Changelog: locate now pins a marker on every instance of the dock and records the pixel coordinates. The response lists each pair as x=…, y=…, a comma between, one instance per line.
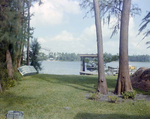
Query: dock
x=88, y=73
x=109, y=71
x=82, y=57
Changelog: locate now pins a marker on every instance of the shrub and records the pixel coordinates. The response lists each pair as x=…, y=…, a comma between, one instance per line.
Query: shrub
x=17, y=76
x=129, y=94
x=10, y=83
x=94, y=96
x=113, y=98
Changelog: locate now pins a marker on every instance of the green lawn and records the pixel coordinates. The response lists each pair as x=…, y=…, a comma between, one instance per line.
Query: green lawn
x=47, y=96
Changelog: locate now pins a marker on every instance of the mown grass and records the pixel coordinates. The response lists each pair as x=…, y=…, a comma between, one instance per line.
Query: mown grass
x=44, y=96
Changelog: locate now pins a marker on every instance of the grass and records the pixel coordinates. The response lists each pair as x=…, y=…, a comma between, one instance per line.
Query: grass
x=43, y=96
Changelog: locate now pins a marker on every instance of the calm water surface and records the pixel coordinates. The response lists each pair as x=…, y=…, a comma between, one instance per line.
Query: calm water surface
x=60, y=68
x=73, y=68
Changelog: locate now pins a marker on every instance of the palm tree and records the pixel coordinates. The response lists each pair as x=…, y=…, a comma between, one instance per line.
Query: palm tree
x=102, y=84
x=123, y=81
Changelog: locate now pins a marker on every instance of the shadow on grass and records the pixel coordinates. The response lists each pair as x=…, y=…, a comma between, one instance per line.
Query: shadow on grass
x=108, y=116
x=111, y=82
x=83, y=89
x=87, y=82
x=12, y=99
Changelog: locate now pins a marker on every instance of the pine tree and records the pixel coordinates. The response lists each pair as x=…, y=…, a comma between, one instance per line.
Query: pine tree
x=34, y=54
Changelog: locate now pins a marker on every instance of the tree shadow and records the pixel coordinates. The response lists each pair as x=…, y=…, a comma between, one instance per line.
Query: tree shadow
x=109, y=116
x=11, y=99
x=85, y=83
x=111, y=83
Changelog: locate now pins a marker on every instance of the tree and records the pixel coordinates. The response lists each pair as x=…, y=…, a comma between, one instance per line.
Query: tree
x=13, y=36
x=123, y=81
x=28, y=40
x=34, y=54
x=114, y=8
x=29, y=4
x=102, y=84
x=111, y=9
x=109, y=58
x=8, y=34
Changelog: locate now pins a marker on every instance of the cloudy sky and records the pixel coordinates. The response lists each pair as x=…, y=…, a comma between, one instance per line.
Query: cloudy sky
x=61, y=27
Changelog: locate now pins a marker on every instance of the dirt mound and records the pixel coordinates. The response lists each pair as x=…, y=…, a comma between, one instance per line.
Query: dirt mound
x=141, y=79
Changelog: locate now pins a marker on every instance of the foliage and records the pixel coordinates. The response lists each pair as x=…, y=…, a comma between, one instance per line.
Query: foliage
x=110, y=9
x=139, y=58
x=34, y=53
x=129, y=94
x=94, y=96
x=66, y=56
x=144, y=24
x=17, y=76
x=109, y=57
x=113, y=98
x=10, y=83
x=42, y=56
x=13, y=36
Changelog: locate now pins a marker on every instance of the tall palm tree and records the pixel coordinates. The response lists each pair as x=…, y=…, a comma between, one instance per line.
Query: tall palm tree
x=102, y=84
x=123, y=81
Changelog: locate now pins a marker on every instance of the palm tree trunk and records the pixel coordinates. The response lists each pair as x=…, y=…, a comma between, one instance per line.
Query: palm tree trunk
x=123, y=81
x=102, y=84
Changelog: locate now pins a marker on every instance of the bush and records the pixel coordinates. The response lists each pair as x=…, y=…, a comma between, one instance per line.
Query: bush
x=10, y=83
x=129, y=94
x=113, y=98
x=17, y=76
x=94, y=96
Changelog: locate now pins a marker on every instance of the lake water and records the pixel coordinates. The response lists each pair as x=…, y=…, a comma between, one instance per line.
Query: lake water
x=60, y=68
x=73, y=68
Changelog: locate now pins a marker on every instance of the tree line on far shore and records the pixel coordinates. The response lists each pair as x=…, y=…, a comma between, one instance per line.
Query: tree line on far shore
x=75, y=57
x=139, y=58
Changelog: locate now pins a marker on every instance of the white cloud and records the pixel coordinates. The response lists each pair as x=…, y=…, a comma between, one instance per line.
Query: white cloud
x=55, y=12
x=63, y=36
x=42, y=40
x=67, y=6
x=52, y=12
x=89, y=33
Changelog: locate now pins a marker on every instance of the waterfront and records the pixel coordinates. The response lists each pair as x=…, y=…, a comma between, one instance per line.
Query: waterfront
x=73, y=68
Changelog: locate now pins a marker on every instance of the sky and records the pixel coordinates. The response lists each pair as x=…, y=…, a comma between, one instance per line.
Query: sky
x=60, y=26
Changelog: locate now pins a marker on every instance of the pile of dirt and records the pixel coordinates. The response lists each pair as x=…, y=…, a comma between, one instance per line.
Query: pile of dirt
x=141, y=79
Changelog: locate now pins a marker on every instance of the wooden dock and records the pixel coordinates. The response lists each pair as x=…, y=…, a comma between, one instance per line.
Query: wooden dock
x=88, y=73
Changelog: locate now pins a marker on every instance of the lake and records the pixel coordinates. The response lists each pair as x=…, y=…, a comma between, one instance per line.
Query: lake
x=73, y=68
x=60, y=68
